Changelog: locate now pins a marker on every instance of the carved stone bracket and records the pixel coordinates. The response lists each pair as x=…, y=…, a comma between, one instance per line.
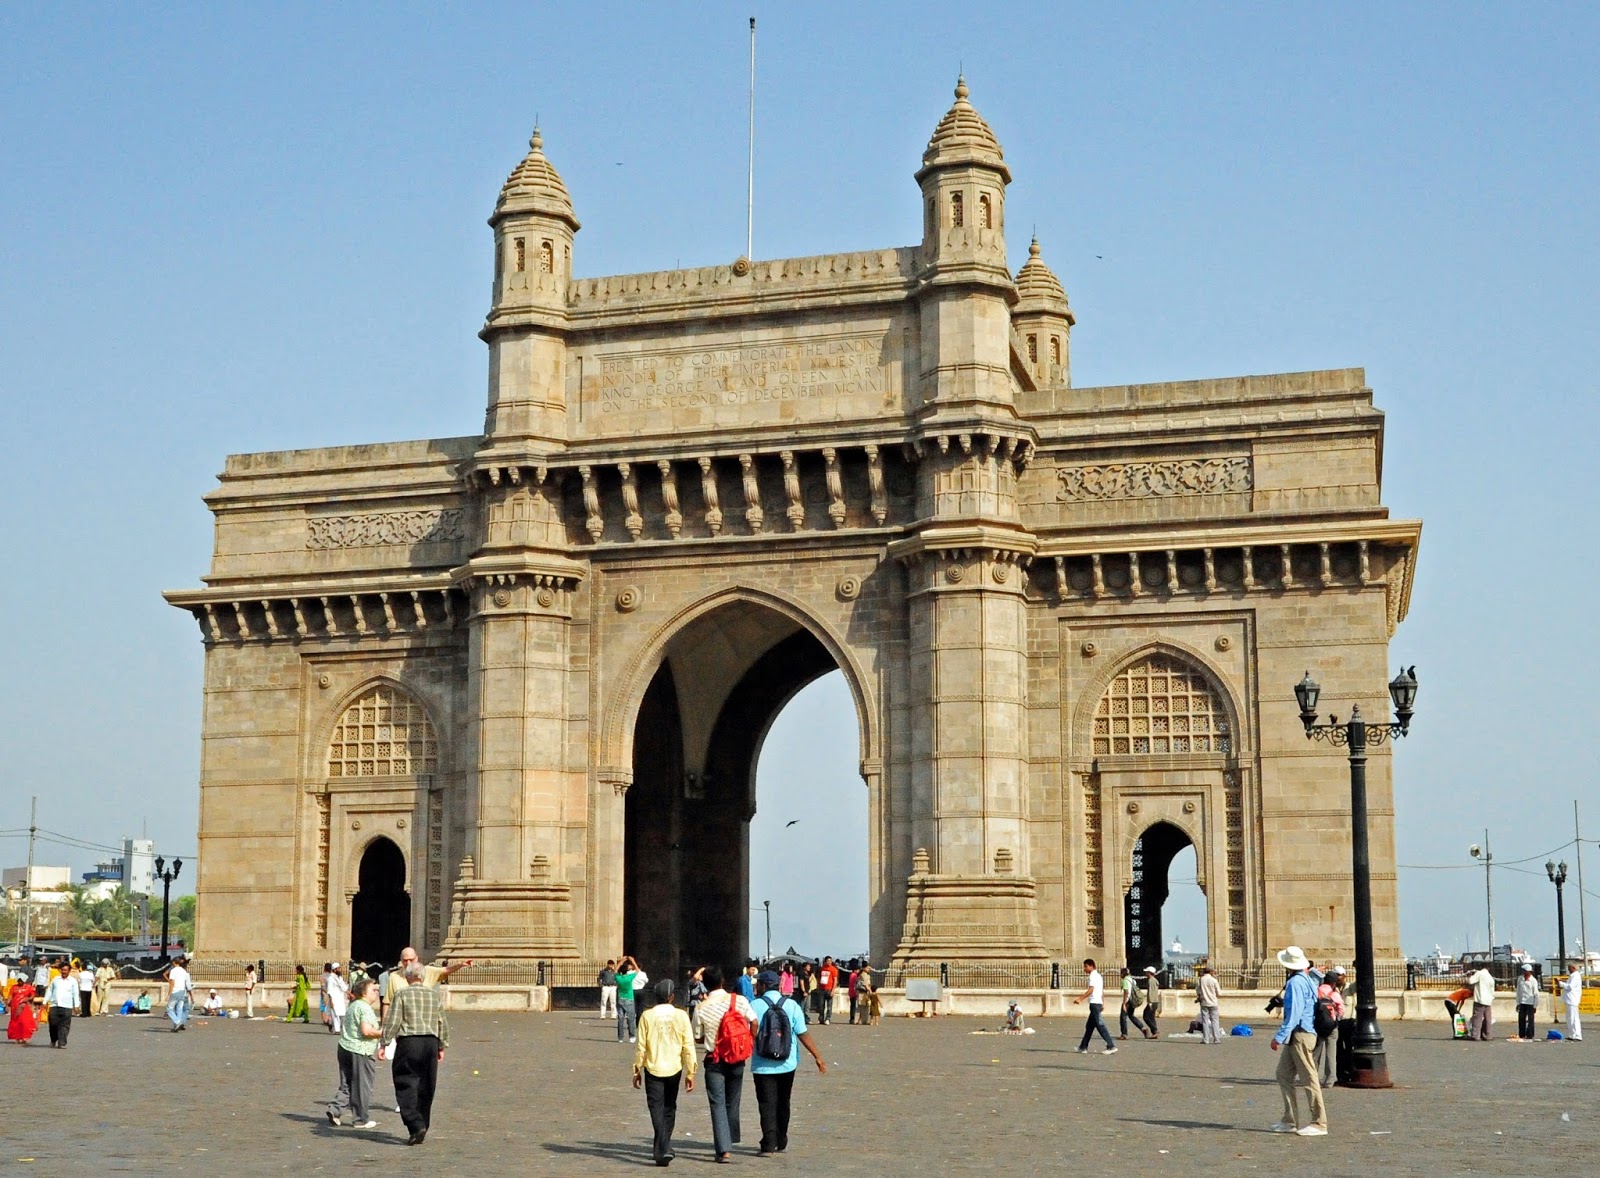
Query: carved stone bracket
x=379, y=613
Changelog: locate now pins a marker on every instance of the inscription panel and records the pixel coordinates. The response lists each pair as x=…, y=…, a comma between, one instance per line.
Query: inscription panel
x=732, y=382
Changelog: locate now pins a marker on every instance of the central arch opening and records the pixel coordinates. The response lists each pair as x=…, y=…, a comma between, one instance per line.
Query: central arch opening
x=700, y=729
x=380, y=914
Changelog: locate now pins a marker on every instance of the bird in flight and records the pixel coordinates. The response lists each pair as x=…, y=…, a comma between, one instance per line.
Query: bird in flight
x=790, y=823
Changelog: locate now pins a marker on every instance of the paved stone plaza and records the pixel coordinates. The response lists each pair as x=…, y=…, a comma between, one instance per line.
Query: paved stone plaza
x=550, y=1095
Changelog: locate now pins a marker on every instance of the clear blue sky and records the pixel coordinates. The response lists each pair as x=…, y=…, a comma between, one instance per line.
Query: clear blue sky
x=227, y=229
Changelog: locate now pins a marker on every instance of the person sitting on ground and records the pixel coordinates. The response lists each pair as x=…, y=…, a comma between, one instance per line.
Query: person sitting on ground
x=141, y=1004
x=1014, y=1024
x=213, y=1006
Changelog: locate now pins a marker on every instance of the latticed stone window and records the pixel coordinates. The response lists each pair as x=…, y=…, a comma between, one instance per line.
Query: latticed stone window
x=547, y=258
x=1055, y=349
x=384, y=733
x=522, y=255
x=985, y=211
x=958, y=216
x=1033, y=348
x=1161, y=705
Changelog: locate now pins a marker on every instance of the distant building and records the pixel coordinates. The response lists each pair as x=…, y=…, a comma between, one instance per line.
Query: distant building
x=44, y=885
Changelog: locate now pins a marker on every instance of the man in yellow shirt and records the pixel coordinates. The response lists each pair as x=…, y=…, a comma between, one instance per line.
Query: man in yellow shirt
x=432, y=975
x=664, y=1055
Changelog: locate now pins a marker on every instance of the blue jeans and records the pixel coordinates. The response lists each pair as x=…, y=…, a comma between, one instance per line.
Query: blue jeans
x=1095, y=1023
x=627, y=1019
x=178, y=1008
x=1130, y=1015
x=724, y=1084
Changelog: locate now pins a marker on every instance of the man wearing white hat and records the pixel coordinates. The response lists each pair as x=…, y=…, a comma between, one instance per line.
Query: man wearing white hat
x=1527, y=1002
x=1298, y=1040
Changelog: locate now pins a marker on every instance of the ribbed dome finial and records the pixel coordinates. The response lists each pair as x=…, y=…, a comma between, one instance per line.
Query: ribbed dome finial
x=1038, y=289
x=535, y=186
x=962, y=137
x=1033, y=247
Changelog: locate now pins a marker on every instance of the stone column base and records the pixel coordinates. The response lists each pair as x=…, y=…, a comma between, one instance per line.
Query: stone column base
x=514, y=921
x=969, y=919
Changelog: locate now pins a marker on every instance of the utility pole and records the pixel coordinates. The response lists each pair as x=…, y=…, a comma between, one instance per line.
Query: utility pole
x=1488, y=884
x=767, y=904
x=27, y=882
x=1583, y=923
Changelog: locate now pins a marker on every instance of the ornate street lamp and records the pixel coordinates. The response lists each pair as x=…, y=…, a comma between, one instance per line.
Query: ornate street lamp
x=1558, y=876
x=1369, y=1063
x=166, y=877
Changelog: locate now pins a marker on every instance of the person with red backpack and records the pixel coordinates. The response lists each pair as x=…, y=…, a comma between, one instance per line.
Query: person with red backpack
x=725, y=1025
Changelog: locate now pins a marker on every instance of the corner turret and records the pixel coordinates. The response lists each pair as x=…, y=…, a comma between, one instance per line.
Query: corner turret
x=1044, y=321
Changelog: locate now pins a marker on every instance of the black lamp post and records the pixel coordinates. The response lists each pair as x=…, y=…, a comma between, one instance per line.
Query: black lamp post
x=1369, y=1063
x=166, y=878
x=1558, y=876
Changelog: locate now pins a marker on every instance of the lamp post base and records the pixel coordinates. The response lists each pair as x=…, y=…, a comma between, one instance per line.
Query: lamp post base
x=1368, y=1069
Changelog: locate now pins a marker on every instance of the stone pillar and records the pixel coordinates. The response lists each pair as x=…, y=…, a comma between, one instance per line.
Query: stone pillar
x=517, y=904
x=970, y=896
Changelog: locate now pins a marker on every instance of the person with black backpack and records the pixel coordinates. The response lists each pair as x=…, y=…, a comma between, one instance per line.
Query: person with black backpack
x=725, y=1025
x=780, y=1033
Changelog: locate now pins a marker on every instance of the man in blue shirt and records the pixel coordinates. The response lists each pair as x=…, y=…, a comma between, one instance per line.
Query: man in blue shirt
x=1298, y=1040
x=775, y=1077
x=745, y=982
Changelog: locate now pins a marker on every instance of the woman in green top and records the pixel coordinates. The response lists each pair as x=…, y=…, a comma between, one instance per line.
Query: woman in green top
x=627, y=1013
x=358, y=1069
x=298, y=1005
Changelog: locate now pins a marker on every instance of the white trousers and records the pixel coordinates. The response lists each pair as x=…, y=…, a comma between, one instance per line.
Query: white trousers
x=608, y=1002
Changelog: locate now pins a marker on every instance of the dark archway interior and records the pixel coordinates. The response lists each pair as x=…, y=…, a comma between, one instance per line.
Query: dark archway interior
x=1152, y=865
x=686, y=874
x=380, y=915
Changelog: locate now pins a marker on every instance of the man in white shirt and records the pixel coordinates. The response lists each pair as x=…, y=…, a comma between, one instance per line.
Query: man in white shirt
x=61, y=998
x=1096, y=994
x=85, y=978
x=180, y=997
x=338, y=998
x=1209, y=993
x=1482, y=1025
x=1572, y=996
x=724, y=1079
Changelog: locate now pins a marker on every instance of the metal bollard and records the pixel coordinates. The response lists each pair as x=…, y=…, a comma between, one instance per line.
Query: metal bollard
x=944, y=973
x=261, y=969
x=1055, y=975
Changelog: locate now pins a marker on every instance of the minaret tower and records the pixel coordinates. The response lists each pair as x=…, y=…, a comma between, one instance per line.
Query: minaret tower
x=533, y=226
x=1043, y=321
x=967, y=288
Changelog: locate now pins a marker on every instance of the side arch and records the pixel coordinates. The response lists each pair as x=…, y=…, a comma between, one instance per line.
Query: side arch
x=617, y=733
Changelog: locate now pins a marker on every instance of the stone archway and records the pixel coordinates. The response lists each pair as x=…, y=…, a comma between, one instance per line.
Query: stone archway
x=697, y=737
x=1149, y=870
x=380, y=913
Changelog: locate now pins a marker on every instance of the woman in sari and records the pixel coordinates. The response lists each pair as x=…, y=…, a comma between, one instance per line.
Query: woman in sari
x=23, y=1023
x=298, y=1004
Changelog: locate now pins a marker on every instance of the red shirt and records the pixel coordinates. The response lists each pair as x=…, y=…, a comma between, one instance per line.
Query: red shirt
x=828, y=977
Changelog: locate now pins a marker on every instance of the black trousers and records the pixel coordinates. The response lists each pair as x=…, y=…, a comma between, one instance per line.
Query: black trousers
x=773, y=1090
x=1525, y=1020
x=661, y=1097
x=416, y=1073
x=1150, y=1020
x=83, y=997
x=60, y=1024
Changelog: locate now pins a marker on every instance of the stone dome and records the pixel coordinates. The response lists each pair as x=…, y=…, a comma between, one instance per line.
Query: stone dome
x=962, y=137
x=1038, y=288
x=534, y=186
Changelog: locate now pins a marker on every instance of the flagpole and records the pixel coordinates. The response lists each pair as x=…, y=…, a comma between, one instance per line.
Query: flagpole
x=750, y=175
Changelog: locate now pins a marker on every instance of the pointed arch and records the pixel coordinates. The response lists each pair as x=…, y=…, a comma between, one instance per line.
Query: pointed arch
x=617, y=733
x=1195, y=663
x=382, y=730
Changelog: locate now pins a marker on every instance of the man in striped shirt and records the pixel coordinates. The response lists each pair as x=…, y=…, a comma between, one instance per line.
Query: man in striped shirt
x=415, y=1025
x=724, y=1079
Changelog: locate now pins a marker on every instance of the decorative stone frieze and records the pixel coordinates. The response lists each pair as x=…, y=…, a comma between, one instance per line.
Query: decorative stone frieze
x=376, y=528
x=1145, y=480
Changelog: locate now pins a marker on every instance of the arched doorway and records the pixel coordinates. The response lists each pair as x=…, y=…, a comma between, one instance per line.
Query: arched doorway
x=1150, y=884
x=380, y=914
x=701, y=724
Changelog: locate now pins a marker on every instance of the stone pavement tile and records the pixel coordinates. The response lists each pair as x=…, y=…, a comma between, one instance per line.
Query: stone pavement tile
x=550, y=1094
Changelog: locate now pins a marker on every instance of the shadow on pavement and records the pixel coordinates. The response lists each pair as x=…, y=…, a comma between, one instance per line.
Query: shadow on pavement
x=1172, y=1124
x=611, y=1150
x=321, y=1128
